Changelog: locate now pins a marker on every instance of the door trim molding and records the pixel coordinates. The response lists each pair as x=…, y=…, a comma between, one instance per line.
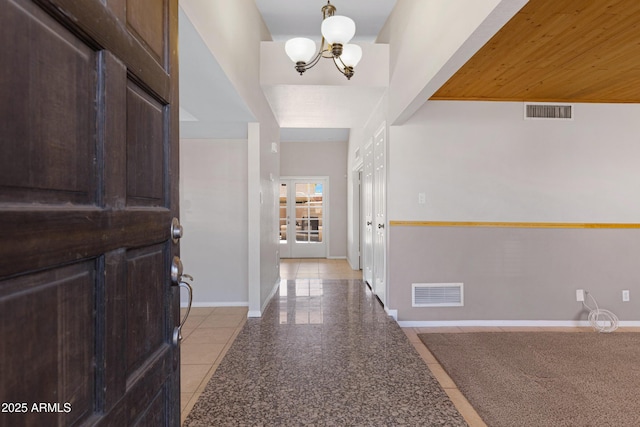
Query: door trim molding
x=326, y=219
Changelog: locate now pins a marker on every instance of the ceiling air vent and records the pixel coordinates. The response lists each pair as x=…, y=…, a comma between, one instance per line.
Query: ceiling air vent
x=437, y=295
x=548, y=111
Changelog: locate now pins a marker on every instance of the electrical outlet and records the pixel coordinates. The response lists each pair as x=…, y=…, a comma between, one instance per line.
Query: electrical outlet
x=580, y=295
x=625, y=295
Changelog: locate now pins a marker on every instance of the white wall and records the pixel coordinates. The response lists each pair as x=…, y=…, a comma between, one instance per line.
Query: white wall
x=213, y=212
x=325, y=158
x=430, y=40
x=481, y=161
x=268, y=215
x=230, y=28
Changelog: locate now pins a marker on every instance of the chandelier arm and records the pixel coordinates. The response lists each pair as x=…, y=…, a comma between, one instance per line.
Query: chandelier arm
x=337, y=66
x=346, y=71
x=330, y=51
x=314, y=61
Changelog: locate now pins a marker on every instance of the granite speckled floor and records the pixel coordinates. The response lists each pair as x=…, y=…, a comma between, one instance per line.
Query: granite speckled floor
x=325, y=354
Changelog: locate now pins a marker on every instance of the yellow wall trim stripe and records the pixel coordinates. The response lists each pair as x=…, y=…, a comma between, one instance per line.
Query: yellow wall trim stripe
x=511, y=224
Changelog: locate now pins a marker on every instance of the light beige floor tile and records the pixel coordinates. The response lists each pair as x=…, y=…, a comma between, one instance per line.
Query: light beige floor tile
x=185, y=332
x=200, y=354
x=424, y=352
x=188, y=407
x=204, y=335
x=308, y=264
x=629, y=329
x=307, y=276
x=412, y=335
x=193, y=321
x=191, y=376
x=222, y=321
x=242, y=311
x=442, y=377
x=464, y=407
x=184, y=400
x=198, y=311
x=210, y=373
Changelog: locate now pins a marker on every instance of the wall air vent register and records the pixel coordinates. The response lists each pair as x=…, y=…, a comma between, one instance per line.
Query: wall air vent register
x=548, y=111
x=437, y=294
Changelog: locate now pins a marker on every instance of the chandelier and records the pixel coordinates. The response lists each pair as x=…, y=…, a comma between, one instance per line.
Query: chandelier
x=336, y=31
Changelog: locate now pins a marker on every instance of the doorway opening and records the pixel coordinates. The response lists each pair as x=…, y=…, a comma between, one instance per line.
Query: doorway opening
x=304, y=214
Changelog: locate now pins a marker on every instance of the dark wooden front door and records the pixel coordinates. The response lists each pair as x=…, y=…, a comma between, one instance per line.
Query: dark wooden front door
x=88, y=188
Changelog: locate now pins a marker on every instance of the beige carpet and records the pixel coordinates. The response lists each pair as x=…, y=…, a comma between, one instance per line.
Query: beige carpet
x=545, y=378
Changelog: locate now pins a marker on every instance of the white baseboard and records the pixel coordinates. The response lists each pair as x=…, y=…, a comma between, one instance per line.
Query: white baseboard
x=505, y=323
x=336, y=257
x=392, y=313
x=351, y=264
x=255, y=313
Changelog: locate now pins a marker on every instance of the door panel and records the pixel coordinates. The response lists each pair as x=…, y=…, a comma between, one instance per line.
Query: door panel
x=146, y=21
x=145, y=148
x=285, y=219
x=54, y=309
x=306, y=220
x=380, y=232
x=88, y=187
x=367, y=209
x=51, y=152
x=144, y=301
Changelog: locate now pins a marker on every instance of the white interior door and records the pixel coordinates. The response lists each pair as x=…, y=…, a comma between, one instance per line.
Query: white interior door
x=367, y=212
x=304, y=212
x=380, y=211
x=285, y=248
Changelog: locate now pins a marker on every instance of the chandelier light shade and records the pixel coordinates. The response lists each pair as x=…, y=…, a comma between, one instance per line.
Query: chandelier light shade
x=351, y=55
x=336, y=31
x=300, y=49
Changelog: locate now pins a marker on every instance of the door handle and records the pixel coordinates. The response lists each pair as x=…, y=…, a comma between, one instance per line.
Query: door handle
x=176, y=230
x=380, y=226
x=368, y=222
x=178, y=279
x=177, y=331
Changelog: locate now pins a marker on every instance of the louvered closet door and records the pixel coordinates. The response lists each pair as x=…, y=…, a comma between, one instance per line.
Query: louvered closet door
x=88, y=188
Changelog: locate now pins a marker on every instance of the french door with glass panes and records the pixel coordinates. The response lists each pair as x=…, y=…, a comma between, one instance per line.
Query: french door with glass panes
x=304, y=223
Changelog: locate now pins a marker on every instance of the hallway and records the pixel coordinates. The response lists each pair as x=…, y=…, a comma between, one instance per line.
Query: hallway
x=324, y=353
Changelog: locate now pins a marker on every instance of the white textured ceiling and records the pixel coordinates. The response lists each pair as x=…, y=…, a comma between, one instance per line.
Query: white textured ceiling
x=302, y=18
x=211, y=107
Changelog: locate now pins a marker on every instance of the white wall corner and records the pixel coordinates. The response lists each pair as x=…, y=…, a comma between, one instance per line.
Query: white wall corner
x=458, y=42
x=267, y=300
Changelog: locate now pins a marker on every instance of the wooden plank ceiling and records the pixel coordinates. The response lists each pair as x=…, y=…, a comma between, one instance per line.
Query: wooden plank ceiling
x=557, y=51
